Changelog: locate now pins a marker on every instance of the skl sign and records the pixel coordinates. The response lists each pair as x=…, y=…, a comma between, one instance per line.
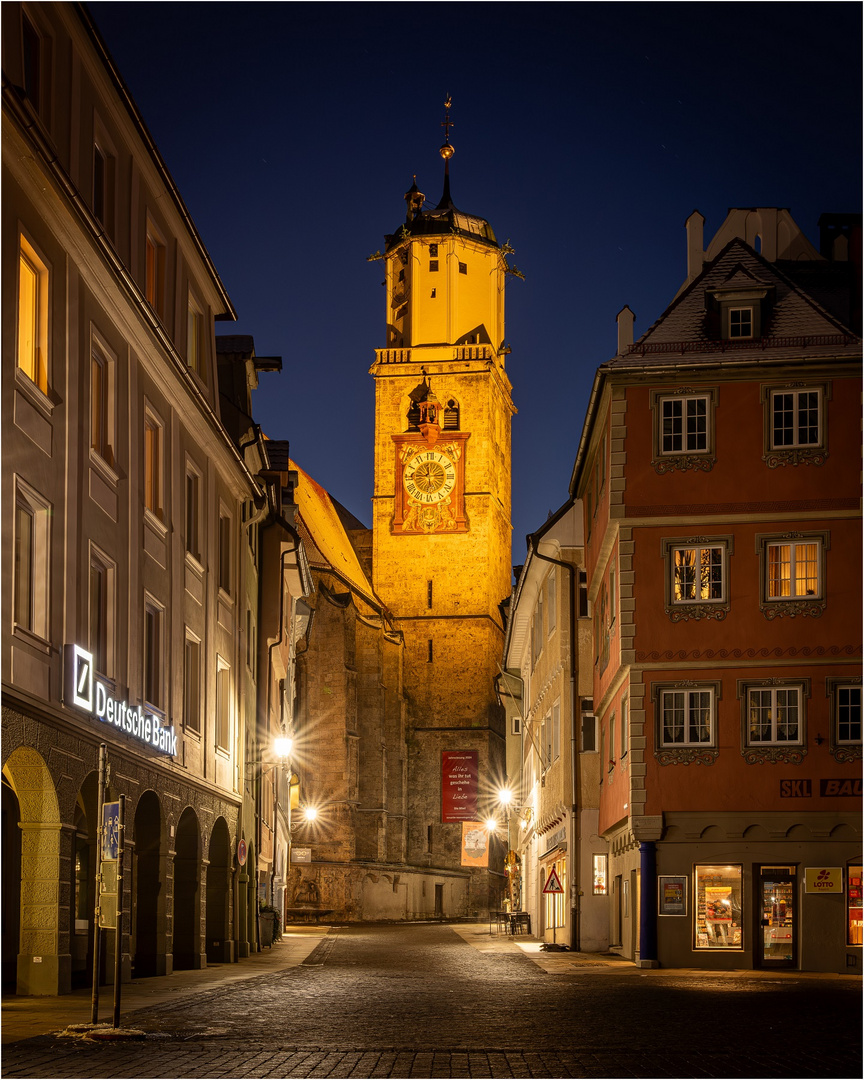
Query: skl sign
x=83, y=690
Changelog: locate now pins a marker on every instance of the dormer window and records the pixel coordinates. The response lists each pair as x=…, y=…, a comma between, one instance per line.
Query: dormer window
x=740, y=323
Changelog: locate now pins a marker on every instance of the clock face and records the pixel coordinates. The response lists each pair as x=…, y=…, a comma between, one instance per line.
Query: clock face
x=429, y=476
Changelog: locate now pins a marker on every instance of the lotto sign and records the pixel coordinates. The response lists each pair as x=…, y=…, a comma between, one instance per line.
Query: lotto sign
x=553, y=883
x=823, y=879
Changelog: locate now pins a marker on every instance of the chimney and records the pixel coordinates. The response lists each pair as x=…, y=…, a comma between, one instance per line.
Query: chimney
x=625, y=319
x=695, y=251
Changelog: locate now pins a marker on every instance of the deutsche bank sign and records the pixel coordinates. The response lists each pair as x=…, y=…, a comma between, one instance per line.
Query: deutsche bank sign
x=86, y=692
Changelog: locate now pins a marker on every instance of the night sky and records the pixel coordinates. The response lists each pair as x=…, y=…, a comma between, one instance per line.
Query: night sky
x=585, y=134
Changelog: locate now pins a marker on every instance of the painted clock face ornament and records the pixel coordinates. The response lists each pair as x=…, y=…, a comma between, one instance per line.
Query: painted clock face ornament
x=429, y=476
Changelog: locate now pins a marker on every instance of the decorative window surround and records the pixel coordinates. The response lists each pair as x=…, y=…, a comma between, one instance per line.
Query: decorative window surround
x=844, y=694
x=695, y=448
x=770, y=547
x=681, y=609
x=689, y=695
x=778, y=750
x=809, y=447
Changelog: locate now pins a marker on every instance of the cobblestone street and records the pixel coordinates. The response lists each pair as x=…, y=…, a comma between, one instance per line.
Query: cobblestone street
x=430, y=1000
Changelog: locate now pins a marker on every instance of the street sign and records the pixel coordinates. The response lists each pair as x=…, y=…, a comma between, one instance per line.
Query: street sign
x=553, y=883
x=110, y=831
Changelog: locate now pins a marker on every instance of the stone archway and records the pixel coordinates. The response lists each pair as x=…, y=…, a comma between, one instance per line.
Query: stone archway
x=43, y=959
x=149, y=875
x=220, y=946
x=11, y=906
x=187, y=892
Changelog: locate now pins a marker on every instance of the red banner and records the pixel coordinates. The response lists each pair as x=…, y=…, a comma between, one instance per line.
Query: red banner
x=459, y=785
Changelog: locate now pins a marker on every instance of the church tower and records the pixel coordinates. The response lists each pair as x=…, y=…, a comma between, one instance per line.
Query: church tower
x=441, y=514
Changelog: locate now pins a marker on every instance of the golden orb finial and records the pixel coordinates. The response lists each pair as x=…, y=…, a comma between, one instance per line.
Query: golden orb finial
x=447, y=150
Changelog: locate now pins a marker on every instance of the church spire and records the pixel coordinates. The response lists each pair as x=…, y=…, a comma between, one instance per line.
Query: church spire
x=446, y=152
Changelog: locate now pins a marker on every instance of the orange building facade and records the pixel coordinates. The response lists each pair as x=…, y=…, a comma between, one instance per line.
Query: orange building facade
x=719, y=470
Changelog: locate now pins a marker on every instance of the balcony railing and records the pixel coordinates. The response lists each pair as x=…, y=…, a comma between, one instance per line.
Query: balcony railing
x=460, y=352
x=791, y=342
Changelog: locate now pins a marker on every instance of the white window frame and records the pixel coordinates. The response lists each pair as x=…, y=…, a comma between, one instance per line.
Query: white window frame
x=683, y=449
x=776, y=699
x=688, y=698
x=692, y=436
x=778, y=747
x=737, y=325
x=842, y=693
x=800, y=599
x=796, y=394
x=35, y=619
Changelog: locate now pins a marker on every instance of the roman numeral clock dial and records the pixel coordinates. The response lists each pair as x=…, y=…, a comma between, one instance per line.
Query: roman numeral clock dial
x=430, y=488
x=429, y=477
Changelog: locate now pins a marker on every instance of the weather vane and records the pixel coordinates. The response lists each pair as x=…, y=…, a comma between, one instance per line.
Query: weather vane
x=447, y=150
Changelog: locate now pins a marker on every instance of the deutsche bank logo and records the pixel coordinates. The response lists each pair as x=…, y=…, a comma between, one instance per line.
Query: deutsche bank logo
x=81, y=674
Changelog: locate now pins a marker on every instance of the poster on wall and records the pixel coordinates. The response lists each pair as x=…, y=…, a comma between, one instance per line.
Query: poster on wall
x=475, y=844
x=673, y=894
x=459, y=771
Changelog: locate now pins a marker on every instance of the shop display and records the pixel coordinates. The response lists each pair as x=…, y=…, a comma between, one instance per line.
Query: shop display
x=718, y=907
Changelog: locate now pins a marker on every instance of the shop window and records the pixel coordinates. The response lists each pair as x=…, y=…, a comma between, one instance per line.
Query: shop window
x=683, y=430
x=600, y=875
x=853, y=908
x=792, y=570
x=686, y=722
x=697, y=574
x=192, y=684
x=773, y=720
x=33, y=282
x=718, y=908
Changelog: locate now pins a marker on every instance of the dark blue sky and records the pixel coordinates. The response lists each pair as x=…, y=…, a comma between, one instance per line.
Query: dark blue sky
x=585, y=133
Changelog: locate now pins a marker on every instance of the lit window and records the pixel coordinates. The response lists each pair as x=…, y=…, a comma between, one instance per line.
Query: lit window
x=102, y=402
x=153, y=646
x=192, y=685
x=153, y=465
x=31, y=561
x=718, y=907
x=741, y=322
x=33, y=282
x=793, y=570
x=195, y=351
x=796, y=418
x=697, y=584
x=686, y=717
x=154, y=270
x=223, y=705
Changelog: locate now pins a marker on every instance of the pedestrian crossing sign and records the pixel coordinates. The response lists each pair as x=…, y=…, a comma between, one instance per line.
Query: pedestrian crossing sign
x=553, y=883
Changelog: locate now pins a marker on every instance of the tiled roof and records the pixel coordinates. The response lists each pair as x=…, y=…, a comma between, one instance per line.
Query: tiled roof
x=796, y=319
x=321, y=526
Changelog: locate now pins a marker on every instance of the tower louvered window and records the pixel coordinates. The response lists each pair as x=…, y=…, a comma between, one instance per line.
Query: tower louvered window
x=451, y=415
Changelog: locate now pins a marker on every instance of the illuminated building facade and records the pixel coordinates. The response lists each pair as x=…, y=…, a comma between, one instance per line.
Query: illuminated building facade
x=719, y=474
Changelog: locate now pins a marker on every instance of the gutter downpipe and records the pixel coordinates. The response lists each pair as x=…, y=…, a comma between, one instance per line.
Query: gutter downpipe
x=575, y=908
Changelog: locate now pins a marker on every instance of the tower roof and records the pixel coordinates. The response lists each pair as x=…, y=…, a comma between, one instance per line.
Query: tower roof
x=445, y=218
